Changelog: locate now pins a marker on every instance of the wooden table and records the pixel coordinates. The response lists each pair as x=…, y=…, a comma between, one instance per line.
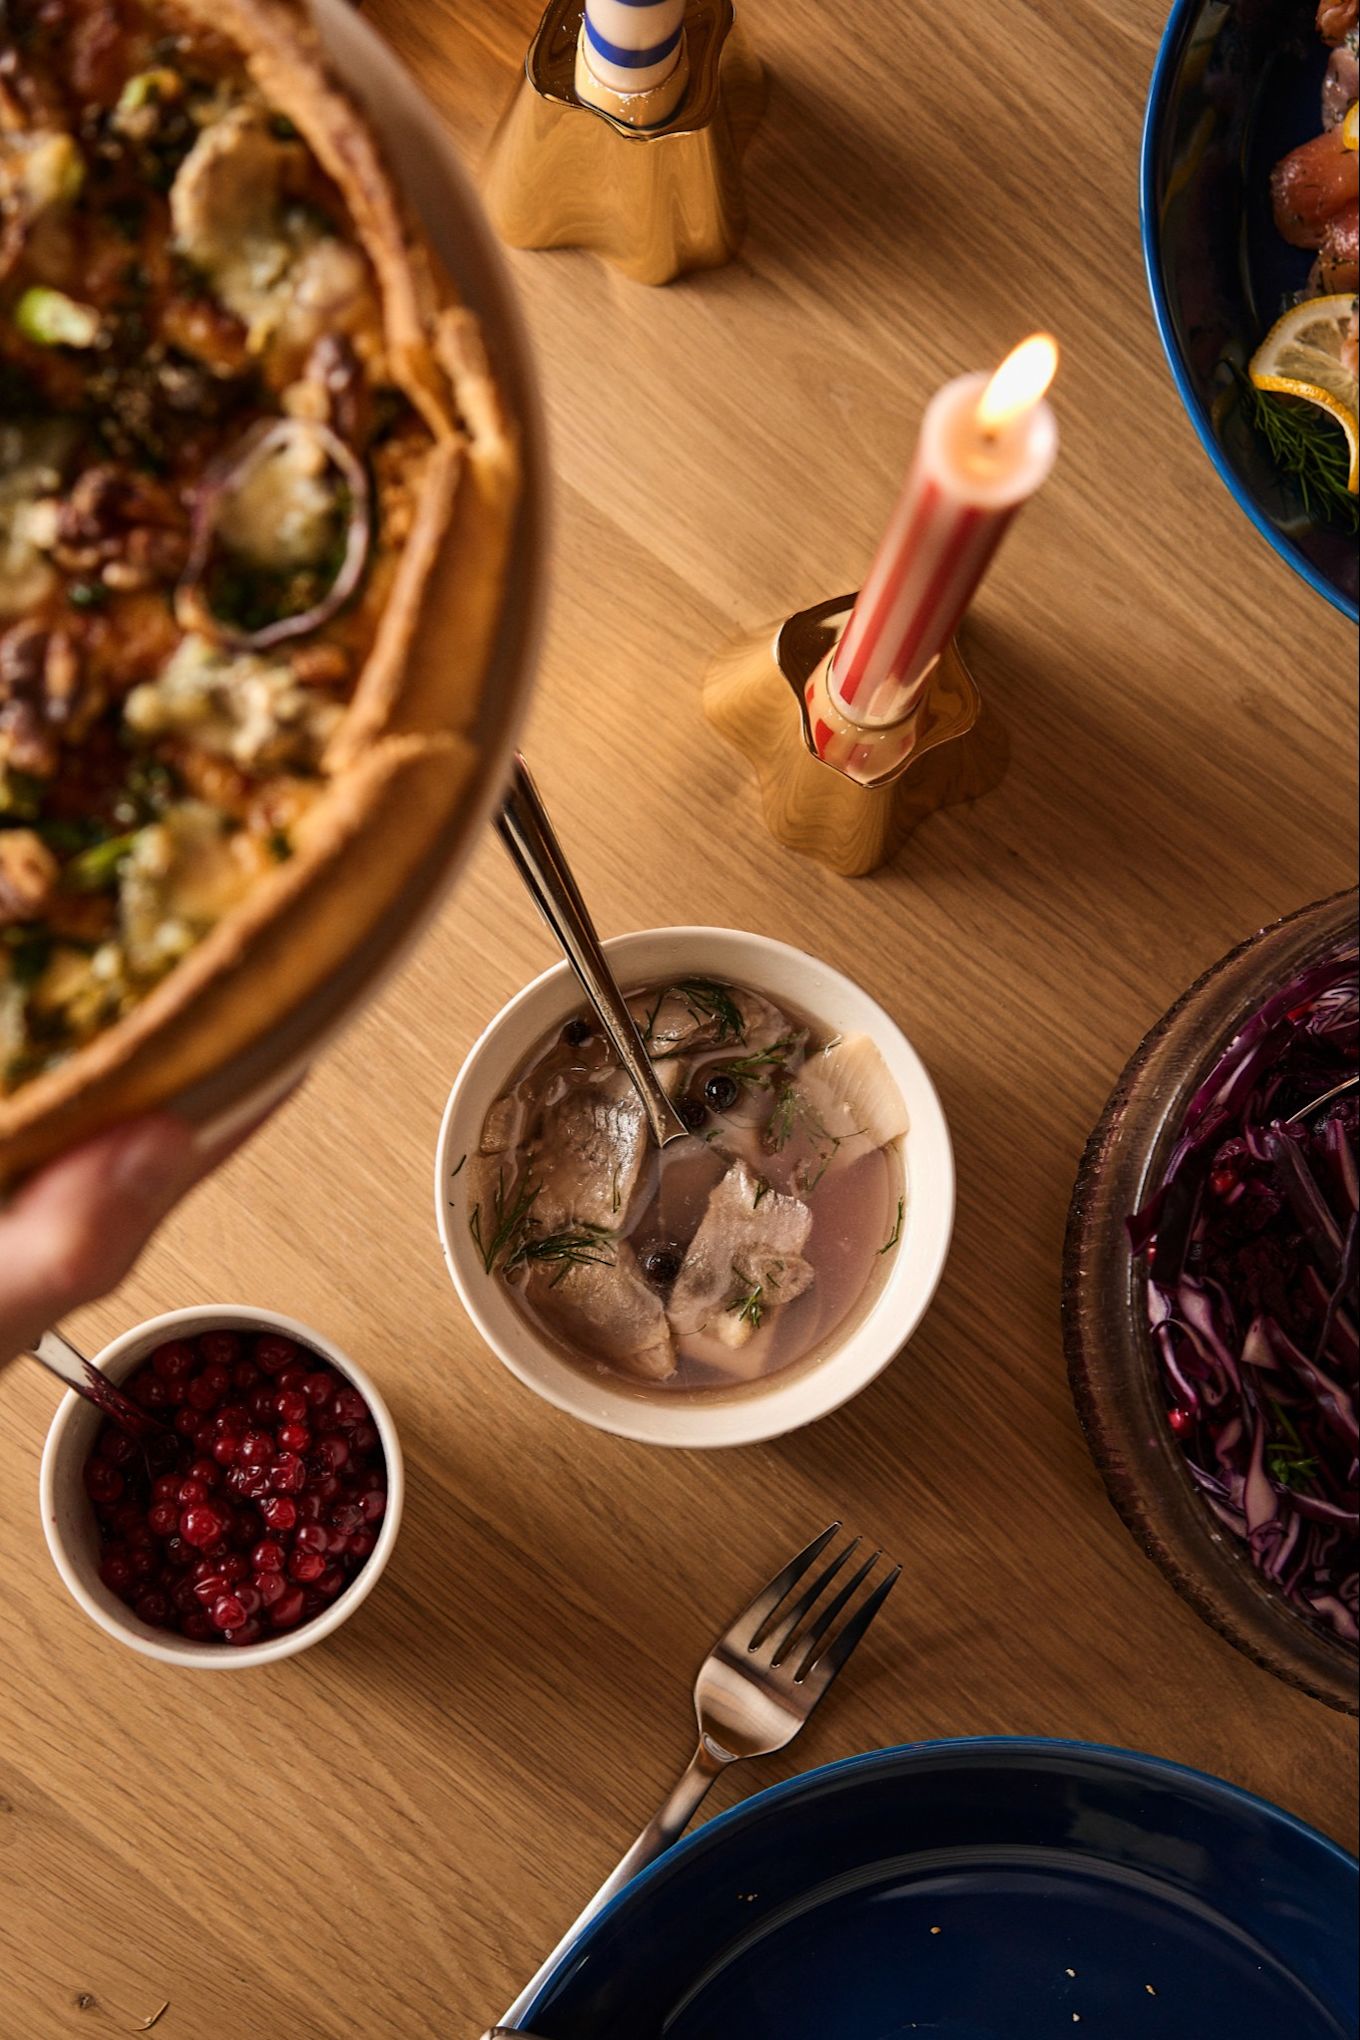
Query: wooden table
x=384, y=1836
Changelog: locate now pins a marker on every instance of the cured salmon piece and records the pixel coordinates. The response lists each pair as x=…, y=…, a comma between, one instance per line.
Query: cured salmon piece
x=1312, y=183
x=1338, y=263
x=1336, y=19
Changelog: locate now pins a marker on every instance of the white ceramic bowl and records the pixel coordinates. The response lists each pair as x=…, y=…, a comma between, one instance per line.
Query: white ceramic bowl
x=68, y=1519
x=784, y=1401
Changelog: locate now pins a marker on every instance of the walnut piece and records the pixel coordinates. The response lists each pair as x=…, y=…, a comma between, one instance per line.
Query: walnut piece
x=28, y=876
x=44, y=699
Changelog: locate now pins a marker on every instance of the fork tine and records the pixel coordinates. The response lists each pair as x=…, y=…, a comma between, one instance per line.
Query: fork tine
x=810, y=1640
x=752, y=1619
x=785, y=1627
x=825, y=1668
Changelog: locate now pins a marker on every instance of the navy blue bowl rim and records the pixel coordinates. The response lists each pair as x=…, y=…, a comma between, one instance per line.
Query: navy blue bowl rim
x=902, y=1756
x=1180, y=22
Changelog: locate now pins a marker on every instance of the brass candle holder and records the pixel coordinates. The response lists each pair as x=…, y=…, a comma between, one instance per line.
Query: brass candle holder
x=655, y=200
x=847, y=795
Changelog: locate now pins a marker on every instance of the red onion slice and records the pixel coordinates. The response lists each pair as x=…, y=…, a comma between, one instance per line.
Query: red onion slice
x=192, y=611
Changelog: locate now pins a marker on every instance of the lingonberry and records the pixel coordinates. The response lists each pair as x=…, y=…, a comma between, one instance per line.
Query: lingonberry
x=254, y=1508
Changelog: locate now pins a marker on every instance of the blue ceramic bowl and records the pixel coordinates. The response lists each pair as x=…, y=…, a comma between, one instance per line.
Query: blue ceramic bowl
x=1236, y=84
x=977, y=1890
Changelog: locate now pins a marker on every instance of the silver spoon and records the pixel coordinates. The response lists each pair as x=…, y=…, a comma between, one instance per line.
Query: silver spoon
x=529, y=837
x=68, y=1363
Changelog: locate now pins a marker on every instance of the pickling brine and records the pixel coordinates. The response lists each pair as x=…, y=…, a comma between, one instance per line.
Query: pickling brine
x=737, y=1253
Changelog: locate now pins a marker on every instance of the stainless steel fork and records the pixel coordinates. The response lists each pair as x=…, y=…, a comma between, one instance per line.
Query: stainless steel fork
x=755, y=1689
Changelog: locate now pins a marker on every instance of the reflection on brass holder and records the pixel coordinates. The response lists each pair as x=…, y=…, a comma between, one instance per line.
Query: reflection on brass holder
x=654, y=200
x=856, y=814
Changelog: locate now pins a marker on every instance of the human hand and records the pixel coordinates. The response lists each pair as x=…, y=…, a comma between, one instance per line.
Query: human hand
x=76, y=1229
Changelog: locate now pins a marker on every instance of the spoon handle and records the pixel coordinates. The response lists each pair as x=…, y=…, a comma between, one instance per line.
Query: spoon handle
x=70, y=1366
x=529, y=836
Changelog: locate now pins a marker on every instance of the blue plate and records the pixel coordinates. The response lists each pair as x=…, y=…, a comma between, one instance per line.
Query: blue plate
x=1236, y=84
x=978, y=1890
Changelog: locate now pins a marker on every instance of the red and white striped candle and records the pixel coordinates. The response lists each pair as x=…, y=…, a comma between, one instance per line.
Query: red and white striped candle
x=986, y=445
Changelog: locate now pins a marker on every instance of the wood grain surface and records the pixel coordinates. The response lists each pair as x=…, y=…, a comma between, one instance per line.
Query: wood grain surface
x=385, y=1835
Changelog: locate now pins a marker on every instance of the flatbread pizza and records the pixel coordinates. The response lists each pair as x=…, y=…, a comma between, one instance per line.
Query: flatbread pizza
x=256, y=492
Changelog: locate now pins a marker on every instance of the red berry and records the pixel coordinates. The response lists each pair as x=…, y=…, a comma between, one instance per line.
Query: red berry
x=192, y=1490
x=236, y=1566
x=211, y=1586
x=262, y=1405
x=361, y=1544
x=205, y=1469
x=103, y=1483
x=364, y=1437
x=254, y=1448
x=250, y=1598
x=1181, y=1421
x=164, y=1518
x=201, y=1526
x=350, y=1407
x=197, y=1627
x=311, y=1537
x=271, y=1587
x=279, y=1512
x=227, y=1612
x=220, y=1349
x=331, y=1451
x=116, y=1571
x=331, y=1582
x=147, y=1389
x=287, y=1611
x=116, y=1445
x=306, y=1566
x=207, y=1389
x=174, y=1361
x=294, y=1437
x=244, y=1375
x=374, y=1504
x=188, y=1421
x=249, y=1632
x=268, y=1556
x=224, y=1447
x=273, y=1354
x=292, y=1406
x=288, y=1473
x=153, y=1606
x=319, y=1388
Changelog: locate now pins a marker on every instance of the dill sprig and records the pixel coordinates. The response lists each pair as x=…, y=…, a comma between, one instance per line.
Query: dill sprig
x=895, y=1235
x=1309, y=446
x=792, y=1110
x=760, y=1068
x=1287, y=1462
x=575, y=1246
x=508, y=1220
x=708, y=1000
x=748, y=1305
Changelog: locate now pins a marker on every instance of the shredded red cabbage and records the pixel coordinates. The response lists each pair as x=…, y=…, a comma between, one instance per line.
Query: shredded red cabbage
x=1251, y=1248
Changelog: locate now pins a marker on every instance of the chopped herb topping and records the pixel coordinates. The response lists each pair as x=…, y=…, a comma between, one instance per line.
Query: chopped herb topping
x=895, y=1235
x=707, y=1000
x=575, y=1246
x=97, y=869
x=506, y=1222
x=1307, y=445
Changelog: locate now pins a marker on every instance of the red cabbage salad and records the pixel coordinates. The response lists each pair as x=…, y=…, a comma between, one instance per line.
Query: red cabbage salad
x=1250, y=1244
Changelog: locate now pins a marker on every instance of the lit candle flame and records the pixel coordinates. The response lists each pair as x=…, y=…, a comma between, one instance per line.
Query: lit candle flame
x=1019, y=384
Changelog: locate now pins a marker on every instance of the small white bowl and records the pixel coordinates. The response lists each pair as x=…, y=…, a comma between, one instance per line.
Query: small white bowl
x=782, y=1402
x=68, y=1519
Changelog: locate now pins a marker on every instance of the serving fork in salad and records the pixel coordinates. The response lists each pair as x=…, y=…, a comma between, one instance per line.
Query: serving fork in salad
x=762, y=1679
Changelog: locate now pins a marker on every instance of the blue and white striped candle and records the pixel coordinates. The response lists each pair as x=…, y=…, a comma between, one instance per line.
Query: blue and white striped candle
x=632, y=45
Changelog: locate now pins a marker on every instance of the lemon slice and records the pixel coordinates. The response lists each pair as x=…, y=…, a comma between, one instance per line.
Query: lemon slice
x=1305, y=355
x=1350, y=126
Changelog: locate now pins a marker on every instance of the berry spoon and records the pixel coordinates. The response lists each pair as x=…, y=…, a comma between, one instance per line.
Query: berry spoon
x=56, y=1353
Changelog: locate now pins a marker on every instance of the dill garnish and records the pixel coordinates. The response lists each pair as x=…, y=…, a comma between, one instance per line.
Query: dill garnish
x=708, y=1000
x=575, y=1246
x=453, y=1173
x=507, y=1221
x=762, y=1190
x=1309, y=446
x=791, y=1111
x=895, y=1235
x=761, y=1068
x=748, y=1305
x=1287, y=1463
